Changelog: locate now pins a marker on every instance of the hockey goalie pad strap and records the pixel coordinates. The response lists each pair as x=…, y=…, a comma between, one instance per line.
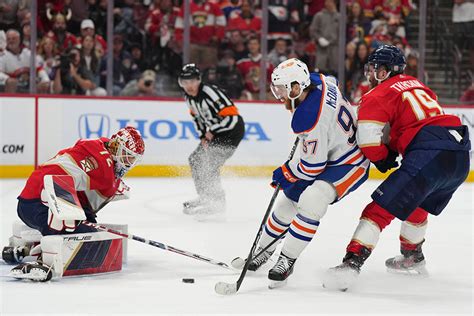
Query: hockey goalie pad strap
x=79, y=254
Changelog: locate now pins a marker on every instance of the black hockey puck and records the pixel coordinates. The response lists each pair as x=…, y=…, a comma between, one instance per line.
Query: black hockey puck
x=188, y=280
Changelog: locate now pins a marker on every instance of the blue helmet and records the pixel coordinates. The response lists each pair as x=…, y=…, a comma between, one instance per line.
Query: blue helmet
x=389, y=56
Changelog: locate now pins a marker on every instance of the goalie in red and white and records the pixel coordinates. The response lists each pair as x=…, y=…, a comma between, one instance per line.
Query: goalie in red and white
x=71, y=187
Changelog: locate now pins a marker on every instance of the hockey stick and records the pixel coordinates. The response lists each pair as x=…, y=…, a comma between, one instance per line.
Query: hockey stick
x=159, y=245
x=238, y=263
x=224, y=288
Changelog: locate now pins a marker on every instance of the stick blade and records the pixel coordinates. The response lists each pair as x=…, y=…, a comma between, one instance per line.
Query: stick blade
x=238, y=263
x=223, y=288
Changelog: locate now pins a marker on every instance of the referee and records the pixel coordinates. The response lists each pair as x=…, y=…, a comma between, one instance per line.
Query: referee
x=220, y=128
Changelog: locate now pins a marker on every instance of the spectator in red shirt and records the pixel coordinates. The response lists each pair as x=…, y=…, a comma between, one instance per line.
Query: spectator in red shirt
x=245, y=21
x=395, y=8
x=250, y=69
x=160, y=22
x=64, y=39
x=207, y=30
x=369, y=7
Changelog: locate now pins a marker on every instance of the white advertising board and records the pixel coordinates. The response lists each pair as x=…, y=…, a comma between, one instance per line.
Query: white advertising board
x=17, y=131
x=166, y=126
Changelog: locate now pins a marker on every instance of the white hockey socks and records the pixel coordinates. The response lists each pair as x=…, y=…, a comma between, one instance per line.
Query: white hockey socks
x=301, y=232
x=278, y=221
x=312, y=206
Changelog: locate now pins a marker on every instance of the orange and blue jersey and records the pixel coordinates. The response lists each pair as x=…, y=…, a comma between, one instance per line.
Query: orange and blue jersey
x=326, y=125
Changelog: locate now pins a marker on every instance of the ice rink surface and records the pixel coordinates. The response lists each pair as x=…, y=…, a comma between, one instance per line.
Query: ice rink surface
x=151, y=281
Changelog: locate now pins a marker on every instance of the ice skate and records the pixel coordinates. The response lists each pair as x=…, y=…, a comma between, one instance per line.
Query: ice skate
x=344, y=275
x=12, y=255
x=190, y=207
x=260, y=260
x=280, y=272
x=409, y=262
x=340, y=277
x=34, y=271
x=211, y=210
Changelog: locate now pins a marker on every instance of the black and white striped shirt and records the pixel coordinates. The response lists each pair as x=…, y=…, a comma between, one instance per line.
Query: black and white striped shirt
x=212, y=110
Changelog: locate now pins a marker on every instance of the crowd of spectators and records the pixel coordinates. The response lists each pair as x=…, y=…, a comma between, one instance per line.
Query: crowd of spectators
x=224, y=42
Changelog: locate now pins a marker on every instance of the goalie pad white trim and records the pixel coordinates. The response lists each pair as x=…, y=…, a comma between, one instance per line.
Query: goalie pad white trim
x=23, y=235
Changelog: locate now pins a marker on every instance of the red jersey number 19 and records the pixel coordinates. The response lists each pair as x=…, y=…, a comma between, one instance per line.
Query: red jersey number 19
x=422, y=104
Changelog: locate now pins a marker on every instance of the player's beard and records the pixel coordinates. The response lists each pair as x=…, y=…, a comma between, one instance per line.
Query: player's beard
x=288, y=104
x=372, y=82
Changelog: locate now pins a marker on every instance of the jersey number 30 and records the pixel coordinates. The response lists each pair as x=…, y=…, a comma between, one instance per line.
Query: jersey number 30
x=422, y=104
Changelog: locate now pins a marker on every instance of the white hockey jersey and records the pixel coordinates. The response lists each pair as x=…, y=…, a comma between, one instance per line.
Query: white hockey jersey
x=326, y=125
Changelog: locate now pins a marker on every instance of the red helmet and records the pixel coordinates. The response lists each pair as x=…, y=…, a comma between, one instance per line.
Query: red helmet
x=127, y=148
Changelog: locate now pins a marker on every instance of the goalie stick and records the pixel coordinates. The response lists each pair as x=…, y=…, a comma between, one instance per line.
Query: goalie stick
x=224, y=288
x=160, y=245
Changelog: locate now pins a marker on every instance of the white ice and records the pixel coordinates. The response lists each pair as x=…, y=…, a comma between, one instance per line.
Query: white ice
x=151, y=281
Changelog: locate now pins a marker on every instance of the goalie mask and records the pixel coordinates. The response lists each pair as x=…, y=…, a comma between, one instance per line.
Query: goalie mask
x=127, y=148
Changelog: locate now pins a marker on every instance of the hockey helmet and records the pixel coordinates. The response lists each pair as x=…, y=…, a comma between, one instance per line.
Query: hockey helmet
x=188, y=72
x=127, y=149
x=389, y=56
x=286, y=73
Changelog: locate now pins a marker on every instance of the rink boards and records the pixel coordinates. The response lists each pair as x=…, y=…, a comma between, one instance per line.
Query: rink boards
x=33, y=129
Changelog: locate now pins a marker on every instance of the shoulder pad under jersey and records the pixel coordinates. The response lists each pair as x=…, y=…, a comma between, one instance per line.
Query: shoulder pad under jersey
x=307, y=113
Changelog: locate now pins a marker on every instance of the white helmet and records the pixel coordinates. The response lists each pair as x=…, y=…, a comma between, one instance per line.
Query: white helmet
x=287, y=72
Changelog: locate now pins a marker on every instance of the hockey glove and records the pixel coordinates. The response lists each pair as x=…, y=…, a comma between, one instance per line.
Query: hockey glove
x=283, y=176
x=122, y=193
x=388, y=163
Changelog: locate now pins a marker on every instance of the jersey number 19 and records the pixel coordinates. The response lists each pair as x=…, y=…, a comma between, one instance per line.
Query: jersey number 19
x=422, y=104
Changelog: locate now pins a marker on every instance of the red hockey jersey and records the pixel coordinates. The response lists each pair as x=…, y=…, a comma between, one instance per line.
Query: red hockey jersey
x=406, y=105
x=91, y=166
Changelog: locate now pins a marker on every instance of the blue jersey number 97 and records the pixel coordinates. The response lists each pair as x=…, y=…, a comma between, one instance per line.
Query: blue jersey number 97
x=345, y=120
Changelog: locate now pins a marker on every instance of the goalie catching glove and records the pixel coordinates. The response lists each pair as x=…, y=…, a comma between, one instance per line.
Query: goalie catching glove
x=283, y=176
x=65, y=211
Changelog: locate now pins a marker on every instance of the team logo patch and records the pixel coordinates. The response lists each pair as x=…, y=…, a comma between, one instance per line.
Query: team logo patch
x=89, y=164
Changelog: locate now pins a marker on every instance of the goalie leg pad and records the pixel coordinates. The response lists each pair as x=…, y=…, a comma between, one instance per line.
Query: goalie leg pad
x=79, y=254
x=21, y=244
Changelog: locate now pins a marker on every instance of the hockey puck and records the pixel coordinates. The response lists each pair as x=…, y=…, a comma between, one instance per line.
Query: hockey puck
x=188, y=280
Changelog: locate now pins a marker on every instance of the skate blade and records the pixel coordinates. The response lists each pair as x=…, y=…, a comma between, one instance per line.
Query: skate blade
x=420, y=271
x=237, y=263
x=208, y=217
x=189, y=210
x=276, y=284
x=32, y=276
x=339, y=280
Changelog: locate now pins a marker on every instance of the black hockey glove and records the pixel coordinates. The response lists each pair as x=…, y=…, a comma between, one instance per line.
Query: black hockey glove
x=388, y=163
